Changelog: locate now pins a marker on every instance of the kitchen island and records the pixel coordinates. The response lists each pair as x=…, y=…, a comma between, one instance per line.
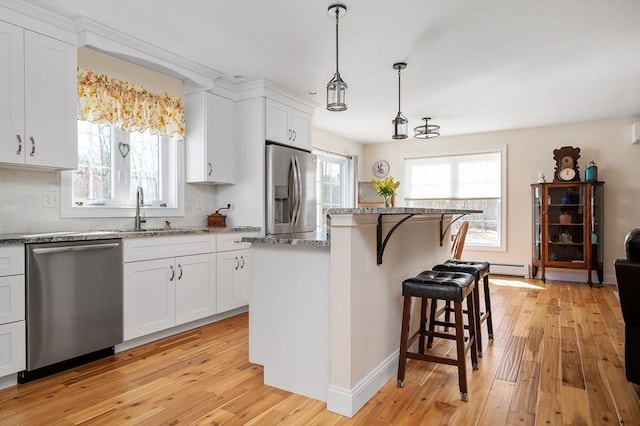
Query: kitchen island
x=326, y=311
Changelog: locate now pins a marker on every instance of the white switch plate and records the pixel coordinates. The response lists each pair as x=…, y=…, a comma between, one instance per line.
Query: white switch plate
x=50, y=199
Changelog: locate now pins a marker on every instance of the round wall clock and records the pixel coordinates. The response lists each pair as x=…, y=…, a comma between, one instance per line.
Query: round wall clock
x=566, y=164
x=380, y=168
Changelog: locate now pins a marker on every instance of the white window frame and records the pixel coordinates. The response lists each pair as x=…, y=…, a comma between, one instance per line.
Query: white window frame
x=172, y=175
x=348, y=185
x=502, y=247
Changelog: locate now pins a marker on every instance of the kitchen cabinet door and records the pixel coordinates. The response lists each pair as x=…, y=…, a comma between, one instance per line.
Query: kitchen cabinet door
x=195, y=287
x=50, y=102
x=12, y=299
x=38, y=106
x=13, y=354
x=210, y=139
x=149, y=297
x=287, y=125
x=11, y=94
x=234, y=275
x=301, y=126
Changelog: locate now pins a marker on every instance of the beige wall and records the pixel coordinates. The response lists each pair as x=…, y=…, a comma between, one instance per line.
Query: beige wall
x=336, y=144
x=153, y=81
x=531, y=150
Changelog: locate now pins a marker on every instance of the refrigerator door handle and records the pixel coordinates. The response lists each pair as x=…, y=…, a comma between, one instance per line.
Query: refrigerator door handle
x=298, y=189
x=292, y=190
x=295, y=205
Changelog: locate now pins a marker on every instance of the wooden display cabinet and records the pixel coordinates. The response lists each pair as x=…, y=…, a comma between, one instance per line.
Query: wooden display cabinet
x=567, y=227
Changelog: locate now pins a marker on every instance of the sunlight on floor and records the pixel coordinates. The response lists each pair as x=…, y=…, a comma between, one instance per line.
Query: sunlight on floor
x=515, y=283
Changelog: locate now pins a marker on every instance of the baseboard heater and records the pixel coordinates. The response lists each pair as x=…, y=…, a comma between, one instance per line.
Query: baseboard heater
x=519, y=270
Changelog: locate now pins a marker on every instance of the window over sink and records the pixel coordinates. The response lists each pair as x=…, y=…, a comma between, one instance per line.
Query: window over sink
x=112, y=163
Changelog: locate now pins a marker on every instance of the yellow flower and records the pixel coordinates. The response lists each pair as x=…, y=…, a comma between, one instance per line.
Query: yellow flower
x=386, y=187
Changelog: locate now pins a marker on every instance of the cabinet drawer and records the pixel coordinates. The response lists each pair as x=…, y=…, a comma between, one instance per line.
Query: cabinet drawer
x=136, y=249
x=13, y=355
x=11, y=299
x=11, y=260
x=233, y=241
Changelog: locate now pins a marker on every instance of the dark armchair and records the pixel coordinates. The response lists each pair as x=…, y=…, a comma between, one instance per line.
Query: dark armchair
x=628, y=277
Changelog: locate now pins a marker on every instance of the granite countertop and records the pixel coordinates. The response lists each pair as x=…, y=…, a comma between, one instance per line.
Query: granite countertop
x=399, y=210
x=318, y=239
x=52, y=237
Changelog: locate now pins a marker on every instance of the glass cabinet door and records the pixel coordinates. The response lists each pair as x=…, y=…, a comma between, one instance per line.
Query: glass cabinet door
x=597, y=221
x=565, y=223
x=536, y=215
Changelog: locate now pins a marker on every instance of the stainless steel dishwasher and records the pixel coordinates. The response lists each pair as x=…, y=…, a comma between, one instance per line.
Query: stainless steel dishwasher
x=74, y=304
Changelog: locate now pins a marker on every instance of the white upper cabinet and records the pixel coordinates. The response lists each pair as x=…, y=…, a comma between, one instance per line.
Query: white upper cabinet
x=210, y=139
x=38, y=106
x=287, y=125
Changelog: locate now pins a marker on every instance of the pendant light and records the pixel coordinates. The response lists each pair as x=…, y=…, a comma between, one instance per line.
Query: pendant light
x=400, y=123
x=337, y=88
x=427, y=131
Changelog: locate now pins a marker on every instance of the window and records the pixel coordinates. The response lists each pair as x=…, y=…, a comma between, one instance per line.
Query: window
x=112, y=163
x=462, y=181
x=334, y=187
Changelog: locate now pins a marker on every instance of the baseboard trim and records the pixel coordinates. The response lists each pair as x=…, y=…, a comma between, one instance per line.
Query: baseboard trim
x=347, y=402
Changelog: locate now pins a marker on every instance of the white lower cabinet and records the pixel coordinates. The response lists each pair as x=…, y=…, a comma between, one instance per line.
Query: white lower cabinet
x=195, y=287
x=149, y=297
x=12, y=314
x=13, y=353
x=167, y=291
x=234, y=271
x=234, y=274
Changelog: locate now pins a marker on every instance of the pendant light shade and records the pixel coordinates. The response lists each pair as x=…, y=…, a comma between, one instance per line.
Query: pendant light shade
x=337, y=88
x=427, y=131
x=400, y=123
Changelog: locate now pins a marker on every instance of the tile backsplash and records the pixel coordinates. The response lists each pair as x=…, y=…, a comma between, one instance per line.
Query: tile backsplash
x=21, y=206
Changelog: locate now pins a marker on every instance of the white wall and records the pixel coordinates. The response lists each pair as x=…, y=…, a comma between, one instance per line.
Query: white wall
x=531, y=150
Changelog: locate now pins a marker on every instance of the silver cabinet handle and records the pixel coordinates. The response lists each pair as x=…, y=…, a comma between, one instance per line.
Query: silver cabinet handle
x=210, y=168
x=237, y=264
x=173, y=273
x=289, y=134
x=19, y=151
x=242, y=259
x=33, y=146
x=180, y=267
x=294, y=135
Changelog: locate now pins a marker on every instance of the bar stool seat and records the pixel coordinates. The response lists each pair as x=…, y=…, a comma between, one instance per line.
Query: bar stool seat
x=480, y=270
x=448, y=286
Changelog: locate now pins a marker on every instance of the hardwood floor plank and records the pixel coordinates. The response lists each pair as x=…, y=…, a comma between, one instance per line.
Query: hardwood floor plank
x=549, y=409
x=511, y=360
x=575, y=406
x=556, y=358
x=572, y=374
x=525, y=395
x=496, y=409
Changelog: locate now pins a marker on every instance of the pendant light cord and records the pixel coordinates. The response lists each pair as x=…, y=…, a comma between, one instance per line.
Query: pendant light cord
x=399, y=90
x=337, y=21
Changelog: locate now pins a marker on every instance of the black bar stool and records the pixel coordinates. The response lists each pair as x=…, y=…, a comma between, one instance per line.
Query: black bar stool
x=448, y=286
x=480, y=270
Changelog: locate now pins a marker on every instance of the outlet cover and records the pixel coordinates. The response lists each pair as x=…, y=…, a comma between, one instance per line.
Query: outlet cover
x=50, y=199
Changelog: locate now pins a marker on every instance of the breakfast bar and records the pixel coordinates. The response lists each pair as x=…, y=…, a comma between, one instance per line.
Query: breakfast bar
x=325, y=313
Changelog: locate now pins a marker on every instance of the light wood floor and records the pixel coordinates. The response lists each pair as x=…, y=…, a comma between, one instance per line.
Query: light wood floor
x=557, y=359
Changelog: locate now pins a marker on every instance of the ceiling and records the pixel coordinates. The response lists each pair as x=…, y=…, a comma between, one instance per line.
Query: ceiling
x=473, y=66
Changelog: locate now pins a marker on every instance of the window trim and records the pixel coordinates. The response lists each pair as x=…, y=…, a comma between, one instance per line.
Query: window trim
x=446, y=152
x=67, y=210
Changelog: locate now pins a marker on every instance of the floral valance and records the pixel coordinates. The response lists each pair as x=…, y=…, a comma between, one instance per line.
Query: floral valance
x=102, y=99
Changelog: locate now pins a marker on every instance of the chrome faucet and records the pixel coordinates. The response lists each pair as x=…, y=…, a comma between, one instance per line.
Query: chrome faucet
x=139, y=203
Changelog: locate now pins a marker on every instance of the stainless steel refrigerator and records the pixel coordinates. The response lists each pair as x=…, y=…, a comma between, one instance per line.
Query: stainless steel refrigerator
x=290, y=190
